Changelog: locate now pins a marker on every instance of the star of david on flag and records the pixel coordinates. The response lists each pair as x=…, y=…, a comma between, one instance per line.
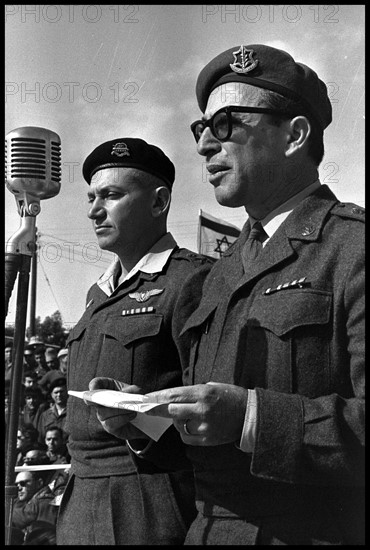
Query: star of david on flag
x=215, y=236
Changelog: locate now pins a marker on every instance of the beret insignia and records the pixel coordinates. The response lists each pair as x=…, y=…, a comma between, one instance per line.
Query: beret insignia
x=120, y=149
x=246, y=63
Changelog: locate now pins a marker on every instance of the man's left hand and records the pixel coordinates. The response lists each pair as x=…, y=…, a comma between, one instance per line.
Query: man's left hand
x=117, y=422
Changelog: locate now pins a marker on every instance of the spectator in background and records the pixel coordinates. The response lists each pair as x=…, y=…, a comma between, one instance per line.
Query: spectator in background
x=57, y=479
x=63, y=360
x=29, y=378
x=27, y=438
x=33, y=512
x=34, y=347
x=34, y=406
x=56, y=449
x=8, y=360
x=29, y=359
x=41, y=366
x=51, y=358
x=36, y=456
x=46, y=381
x=56, y=414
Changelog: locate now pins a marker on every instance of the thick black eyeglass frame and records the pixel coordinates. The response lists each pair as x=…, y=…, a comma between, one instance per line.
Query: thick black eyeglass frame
x=228, y=111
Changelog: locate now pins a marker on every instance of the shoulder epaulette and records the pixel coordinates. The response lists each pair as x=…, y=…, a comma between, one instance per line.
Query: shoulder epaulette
x=349, y=210
x=193, y=257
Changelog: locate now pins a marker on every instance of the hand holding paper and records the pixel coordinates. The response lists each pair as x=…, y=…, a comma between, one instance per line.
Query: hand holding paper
x=152, y=426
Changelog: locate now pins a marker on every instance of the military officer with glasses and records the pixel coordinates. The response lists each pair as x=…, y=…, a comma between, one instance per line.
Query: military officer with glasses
x=272, y=407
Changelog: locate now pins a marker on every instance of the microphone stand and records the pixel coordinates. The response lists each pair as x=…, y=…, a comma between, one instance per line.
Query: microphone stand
x=19, y=250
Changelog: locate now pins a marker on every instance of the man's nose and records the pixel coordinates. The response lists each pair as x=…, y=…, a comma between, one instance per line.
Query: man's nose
x=208, y=143
x=96, y=209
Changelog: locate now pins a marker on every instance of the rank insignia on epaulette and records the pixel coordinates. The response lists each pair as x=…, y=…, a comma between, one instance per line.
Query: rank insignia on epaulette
x=297, y=283
x=144, y=296
x=137, y=310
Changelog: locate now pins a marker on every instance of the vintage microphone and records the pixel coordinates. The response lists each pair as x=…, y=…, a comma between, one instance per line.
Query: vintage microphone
x=33, y=173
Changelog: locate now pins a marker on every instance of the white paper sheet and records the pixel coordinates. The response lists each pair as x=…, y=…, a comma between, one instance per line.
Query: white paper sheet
x=153, y=426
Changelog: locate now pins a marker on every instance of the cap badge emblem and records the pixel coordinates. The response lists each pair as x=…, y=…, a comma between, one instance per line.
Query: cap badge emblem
x=120, y=149
x=246, y=62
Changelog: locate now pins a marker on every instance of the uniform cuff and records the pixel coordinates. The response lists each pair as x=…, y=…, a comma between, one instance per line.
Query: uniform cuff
x=248, y=437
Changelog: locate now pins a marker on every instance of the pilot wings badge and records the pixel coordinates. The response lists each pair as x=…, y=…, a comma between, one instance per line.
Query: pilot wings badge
x=144, y=296
x=246, y=63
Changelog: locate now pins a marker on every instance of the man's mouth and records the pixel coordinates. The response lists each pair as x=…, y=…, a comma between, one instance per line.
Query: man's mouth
x=101, y=228
x=216, y=168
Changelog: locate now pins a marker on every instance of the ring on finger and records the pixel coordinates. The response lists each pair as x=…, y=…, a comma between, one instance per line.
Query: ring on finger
x=186, y=428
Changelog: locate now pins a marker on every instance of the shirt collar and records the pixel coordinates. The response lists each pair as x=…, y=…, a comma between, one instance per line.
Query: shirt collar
x=153, y=262
x=275, y=218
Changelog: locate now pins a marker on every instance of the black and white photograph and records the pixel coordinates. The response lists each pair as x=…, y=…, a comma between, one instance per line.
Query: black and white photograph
x=184, y=274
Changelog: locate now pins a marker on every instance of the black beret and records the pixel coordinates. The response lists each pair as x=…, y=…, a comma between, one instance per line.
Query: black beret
x=130, y=153
x=266, y=67
x=57, y=382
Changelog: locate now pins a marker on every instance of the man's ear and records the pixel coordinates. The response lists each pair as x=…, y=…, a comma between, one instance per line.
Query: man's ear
x=298, y=132
x=162, y=200
x=40, y=483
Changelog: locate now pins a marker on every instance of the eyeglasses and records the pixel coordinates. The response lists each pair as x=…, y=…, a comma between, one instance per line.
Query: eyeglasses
x=23, y=483
x=221, y=123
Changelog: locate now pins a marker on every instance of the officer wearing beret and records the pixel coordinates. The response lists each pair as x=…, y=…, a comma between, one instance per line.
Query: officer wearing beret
x=273, y=411
x=125, y=488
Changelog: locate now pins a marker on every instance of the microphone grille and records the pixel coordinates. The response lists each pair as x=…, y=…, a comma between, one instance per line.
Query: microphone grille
x=33, y=160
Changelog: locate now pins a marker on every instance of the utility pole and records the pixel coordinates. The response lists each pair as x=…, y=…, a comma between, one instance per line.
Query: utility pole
x=33, y=290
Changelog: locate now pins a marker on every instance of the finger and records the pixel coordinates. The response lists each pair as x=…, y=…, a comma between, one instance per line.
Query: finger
x=187, y=427
x=178, y=411
x=130, y=388
x=190, y=438
x=102, y=383
x=182, y=394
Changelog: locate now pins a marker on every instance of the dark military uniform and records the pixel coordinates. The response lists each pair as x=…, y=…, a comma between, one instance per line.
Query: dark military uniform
x=127, y=336
x=292, y=328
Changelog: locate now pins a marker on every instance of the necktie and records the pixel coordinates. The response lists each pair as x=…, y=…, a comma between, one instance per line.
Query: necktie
x=253, y=244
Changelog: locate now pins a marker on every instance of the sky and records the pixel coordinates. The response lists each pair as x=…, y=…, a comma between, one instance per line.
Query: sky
x=92, y=73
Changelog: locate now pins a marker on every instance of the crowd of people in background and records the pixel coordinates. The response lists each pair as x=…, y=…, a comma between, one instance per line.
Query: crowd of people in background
x=41, y=441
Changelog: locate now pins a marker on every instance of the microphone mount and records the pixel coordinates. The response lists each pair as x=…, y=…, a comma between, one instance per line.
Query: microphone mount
x=23, y=241
x=32, y=173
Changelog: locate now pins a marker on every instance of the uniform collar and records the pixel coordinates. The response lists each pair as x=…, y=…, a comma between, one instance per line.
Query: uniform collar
x=275, y=218
x=153, y=262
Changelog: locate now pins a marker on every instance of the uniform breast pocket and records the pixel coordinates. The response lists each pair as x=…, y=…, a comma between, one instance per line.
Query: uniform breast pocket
x=195, y=342
x=288, y=341
x=133, y=349
x=76, y=343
